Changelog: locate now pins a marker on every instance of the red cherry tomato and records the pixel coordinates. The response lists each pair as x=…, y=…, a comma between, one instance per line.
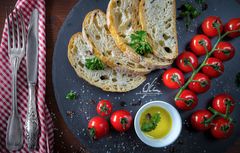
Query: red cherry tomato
x=98, y=127
x=173, y=78
x=197, y=42
x=200, y=83
x=187, y=100
x=221, y=101
x=209, y=26
x=121, y=120
x=233, y=24
x=187, y=61
x=104, y=108
x=221, y=128
x=199, y=118
x=224, y=51
x=213, y=68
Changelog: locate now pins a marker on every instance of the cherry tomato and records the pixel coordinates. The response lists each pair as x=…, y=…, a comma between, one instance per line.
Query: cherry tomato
x=104, y=108
x=224, y=51
x=221, y=128
x=121, y=120
x=173, y=78
x=213, y=68
x=187, y=100
x=233, y=24
x=200, y=83
x=209, y=26
x=197, y=42
x=221, y=101
x=98, y=127
x=199, y=118
x=187, y=61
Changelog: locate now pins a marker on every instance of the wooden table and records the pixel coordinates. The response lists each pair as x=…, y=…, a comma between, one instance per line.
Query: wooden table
x=56, y=13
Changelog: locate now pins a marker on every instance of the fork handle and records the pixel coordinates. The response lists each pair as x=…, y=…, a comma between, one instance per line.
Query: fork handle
x=32, y=125
x=14, y=86
x=14, y=135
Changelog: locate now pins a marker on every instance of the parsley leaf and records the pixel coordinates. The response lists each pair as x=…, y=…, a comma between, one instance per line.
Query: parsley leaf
x=202, y=3
x=139, y=42
x=150, y=122
x=94, y=64
x=71, y=95
x=188, y=13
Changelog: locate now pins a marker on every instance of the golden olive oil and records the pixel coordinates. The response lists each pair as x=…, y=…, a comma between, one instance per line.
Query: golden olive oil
x=163, y=127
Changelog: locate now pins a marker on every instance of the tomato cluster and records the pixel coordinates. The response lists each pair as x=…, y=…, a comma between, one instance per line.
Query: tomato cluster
x=216, y=118
x=212, y=67
x=98, y=126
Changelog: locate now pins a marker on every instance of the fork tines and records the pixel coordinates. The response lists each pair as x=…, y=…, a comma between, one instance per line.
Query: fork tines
x=16, y=29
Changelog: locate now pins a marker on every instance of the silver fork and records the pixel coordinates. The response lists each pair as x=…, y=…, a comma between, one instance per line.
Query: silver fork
x=16, y=49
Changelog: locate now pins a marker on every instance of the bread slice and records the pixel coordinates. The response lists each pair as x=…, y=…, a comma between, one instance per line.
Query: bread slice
x=98, y=37
x=107, y=79
x=158, y=19
x=122, y=21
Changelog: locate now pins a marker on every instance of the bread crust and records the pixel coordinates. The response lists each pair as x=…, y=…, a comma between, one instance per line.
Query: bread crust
x=119, y=41
x=109, y=60
x=109, y=86
x=151, y=61
x=143, y=21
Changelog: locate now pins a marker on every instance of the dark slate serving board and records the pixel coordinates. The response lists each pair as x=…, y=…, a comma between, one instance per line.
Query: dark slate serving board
x=65, y=79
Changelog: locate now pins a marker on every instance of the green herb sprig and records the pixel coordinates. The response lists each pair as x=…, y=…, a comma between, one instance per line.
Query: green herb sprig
x=188, y=13
x=71, y=95
x=150, y=122
x=202, y=3
x=139, y=42
x=94, y=64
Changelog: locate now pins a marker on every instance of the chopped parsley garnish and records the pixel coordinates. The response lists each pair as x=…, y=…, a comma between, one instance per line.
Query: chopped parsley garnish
x=72, y=95
x=203, y=4
x=150, y=122
x=188, y=11
x=94, y=64
x=139, y=42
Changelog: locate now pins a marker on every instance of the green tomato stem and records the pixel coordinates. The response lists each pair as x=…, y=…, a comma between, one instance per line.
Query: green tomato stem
x=208, y=121
x=190, y=64
x=228, y=109
x=208, y=54
x=216, y=113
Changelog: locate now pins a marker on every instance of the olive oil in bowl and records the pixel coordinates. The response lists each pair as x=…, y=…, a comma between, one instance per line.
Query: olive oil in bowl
x=161, y=128
x=157, y=124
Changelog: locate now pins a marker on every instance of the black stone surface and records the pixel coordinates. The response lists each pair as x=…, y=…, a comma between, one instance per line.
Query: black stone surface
x=65, y=79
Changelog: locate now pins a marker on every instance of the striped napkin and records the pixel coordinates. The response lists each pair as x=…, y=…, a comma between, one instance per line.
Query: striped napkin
x=46, y=125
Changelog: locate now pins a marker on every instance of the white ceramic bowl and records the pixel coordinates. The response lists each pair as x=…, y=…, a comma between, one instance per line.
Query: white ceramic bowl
x=173, y=133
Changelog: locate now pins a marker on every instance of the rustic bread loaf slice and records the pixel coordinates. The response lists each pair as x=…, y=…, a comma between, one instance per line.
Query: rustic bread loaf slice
x=158, y=19
x=122, y=21
x=107, y=79
x=98, y=37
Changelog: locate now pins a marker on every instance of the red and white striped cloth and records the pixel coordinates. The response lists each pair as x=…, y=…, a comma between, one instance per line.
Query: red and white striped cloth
x=46, y=125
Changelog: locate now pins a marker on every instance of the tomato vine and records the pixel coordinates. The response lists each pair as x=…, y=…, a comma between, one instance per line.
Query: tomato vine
x=208, y=54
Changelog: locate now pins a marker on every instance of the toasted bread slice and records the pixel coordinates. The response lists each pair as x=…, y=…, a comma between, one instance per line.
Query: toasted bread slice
x=158, y=19
x=122, y=21
x=107, y=79
x=98, y=37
